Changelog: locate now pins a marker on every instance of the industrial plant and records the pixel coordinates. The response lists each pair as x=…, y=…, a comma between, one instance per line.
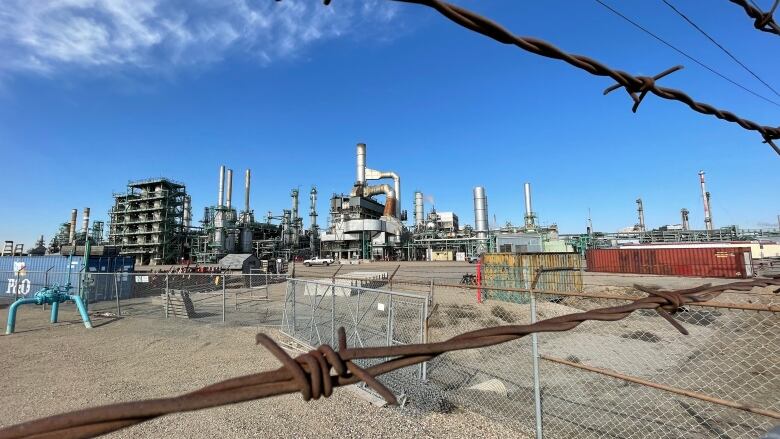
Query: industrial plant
x=152, y=222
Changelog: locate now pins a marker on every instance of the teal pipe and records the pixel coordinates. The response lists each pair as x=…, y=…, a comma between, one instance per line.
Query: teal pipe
x=82, y=310
x=55, y=310
x=9, y=328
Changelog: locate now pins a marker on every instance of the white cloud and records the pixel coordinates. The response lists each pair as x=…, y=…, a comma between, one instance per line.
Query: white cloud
x=45, y=36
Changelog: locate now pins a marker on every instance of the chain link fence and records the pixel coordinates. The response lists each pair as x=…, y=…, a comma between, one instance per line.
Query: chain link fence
x=635, y=378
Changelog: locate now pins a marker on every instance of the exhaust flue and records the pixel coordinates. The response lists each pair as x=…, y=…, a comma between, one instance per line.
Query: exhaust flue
x=247, y=181
x=361, y=163
x=72, y=231
x=529, y=211
x=85, y=223
x=684, y=218
x=221, y=194
x=229, y=197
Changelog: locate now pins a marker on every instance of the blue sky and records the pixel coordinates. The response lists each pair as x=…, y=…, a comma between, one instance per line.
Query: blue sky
x=94, y=93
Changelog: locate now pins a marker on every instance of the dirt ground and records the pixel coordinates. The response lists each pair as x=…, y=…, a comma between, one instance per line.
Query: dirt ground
x=55, y=368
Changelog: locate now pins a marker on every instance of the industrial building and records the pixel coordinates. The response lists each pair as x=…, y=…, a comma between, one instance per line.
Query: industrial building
x=360, y=226
x=148, y=221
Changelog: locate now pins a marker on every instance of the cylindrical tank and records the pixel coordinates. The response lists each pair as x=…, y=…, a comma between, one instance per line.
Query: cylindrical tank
x=72, y=230
x=221, y=185
x=684, y=218
x=229, y=198
x=246, y=240
x=361, y=163
x=640, y=210
x=480, y=212
x=419, y=209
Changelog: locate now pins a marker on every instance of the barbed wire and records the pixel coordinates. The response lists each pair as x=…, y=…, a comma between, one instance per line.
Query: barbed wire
x=636, y=86
x=764, y=21
x=311, y=373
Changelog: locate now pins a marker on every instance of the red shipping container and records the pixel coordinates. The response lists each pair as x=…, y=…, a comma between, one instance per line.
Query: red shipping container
x=726, y=262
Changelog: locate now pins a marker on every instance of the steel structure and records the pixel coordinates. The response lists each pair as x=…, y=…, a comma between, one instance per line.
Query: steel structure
x=147, y=221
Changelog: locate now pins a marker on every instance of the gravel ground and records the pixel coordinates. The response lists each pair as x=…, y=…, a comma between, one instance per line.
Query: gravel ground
x=64, y=367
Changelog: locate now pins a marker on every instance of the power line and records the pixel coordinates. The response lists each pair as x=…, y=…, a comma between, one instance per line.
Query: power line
x=720, y=46
x=670, y=45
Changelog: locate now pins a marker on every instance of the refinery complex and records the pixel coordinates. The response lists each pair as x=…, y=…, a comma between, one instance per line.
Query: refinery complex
x=153, y=222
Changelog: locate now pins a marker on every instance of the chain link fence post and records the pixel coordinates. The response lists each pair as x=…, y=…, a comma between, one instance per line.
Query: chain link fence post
x=535, y=359
x=224, y=298
x=116, y=290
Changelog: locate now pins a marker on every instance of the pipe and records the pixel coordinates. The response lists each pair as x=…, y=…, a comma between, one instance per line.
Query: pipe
x=85, y=223
x=229, y=197
x=247, y=181
x=361, y=164
x=480, y=212
x=419, y=209
x=391, y=201
x=221, y=186
x=706, y=198
x=72, y=230
x=11, y=325
x=684, y=218
x=372, y=174
x=640, y=210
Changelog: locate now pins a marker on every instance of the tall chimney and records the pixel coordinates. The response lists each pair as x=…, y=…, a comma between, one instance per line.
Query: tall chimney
x=480, y=212
x=640, y=210
x=419, y=209
x=72, y=230
x=361, y=163
x=221, y=186
x=684, y=218
x=529, y=211
x=85, y=223
x=706, y=198
x=247, y=180
x=229, y=197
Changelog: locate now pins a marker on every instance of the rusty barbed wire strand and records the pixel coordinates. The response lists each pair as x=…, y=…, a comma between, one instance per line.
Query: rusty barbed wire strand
x=311, y=373
x=636, y=86
x=763, y=21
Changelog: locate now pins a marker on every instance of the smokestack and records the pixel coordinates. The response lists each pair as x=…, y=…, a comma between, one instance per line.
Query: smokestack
x=684, y=218
x=221, y=186
x=85, y=223
x=640, y=210
x=361, y=163
x=419, y=209
x=247, y=180
x=480, y=212
x=294, y=199
x=529, y=211
x=72, y=230
x=229, y=197
x=706, y=198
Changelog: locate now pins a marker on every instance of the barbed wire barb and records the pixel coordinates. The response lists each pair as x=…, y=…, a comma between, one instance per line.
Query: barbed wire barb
x=763, y=21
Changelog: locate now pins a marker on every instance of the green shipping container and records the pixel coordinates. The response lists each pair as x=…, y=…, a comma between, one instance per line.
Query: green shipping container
x=560, y=272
